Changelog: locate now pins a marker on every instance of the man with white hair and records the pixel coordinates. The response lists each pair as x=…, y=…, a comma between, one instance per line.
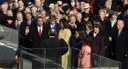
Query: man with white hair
x=3, y=14
x=4, y=7
x=34, y=11
x=20, y=25
x=9, y=20
x=119, y=41
x=79, y=22
x=38, y=5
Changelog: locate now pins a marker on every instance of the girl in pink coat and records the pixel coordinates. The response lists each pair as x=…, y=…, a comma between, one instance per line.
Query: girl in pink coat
x=84, y=61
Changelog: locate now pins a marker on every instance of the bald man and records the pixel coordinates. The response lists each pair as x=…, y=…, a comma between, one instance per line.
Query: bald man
x=119, y=41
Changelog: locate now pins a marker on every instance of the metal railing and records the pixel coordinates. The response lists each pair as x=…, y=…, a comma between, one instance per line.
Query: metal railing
x=11, y=56
x=53, y=57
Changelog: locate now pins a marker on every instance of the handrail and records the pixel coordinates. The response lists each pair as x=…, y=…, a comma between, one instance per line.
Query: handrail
x=30, y=49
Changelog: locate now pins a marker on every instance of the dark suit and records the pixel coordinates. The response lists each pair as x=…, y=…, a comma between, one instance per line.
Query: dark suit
x=119, y=44
x=72, y=38
x=97, y=43
x=114, y=4
x=111, y=31
x=2, y=17
x=120, y=47
x=21, y=29
x=80, y=25
x=34, y=36
x=98, y=5
x=55, y=48
x=104, y=29
x=27, y=39
x=97, y=46
x=36, y=41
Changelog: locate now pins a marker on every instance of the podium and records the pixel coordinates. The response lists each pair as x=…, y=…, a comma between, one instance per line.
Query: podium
x=7, y=57
x=8, y=47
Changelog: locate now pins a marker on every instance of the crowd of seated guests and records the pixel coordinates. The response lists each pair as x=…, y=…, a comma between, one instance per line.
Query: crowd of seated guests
x=104, y=21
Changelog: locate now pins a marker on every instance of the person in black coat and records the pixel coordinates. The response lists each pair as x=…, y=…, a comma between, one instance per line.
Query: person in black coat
x=119, y=41
x=38, y=33
x=29, y=21
x=98, y=5
x=115, y=3
x=79, y=21
x=112, y=23
x=103, y=21
x=73, y=28
x=55, y=48
x=112, y=26
x=97, y=43
x=20, y=26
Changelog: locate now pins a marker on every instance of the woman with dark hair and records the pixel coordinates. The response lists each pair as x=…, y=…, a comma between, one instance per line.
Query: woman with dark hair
x=84, y=54
x=97, y=43
x=79, y=36
x=65, y=33
x=88, y=29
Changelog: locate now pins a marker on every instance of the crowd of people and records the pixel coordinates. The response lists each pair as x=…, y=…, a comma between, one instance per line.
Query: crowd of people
x=104, y=22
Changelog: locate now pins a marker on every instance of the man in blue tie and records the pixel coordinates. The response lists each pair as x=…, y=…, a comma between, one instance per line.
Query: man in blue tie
x=119, y=41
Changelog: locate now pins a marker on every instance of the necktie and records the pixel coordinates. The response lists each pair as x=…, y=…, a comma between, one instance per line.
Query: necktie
x=119, y=33
x=28, y=22
x=18, y=26
x=39, y=32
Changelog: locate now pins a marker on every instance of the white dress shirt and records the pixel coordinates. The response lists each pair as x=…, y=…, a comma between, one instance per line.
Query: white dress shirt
x=113, y=22
x=40, y=28
x=95, y=33
x=52, y=25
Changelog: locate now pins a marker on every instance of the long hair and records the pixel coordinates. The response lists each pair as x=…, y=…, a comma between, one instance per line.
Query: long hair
x=88, y=40
x=64, y=22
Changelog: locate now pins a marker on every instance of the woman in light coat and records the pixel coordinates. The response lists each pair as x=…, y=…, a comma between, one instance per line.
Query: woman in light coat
x=65, y=33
